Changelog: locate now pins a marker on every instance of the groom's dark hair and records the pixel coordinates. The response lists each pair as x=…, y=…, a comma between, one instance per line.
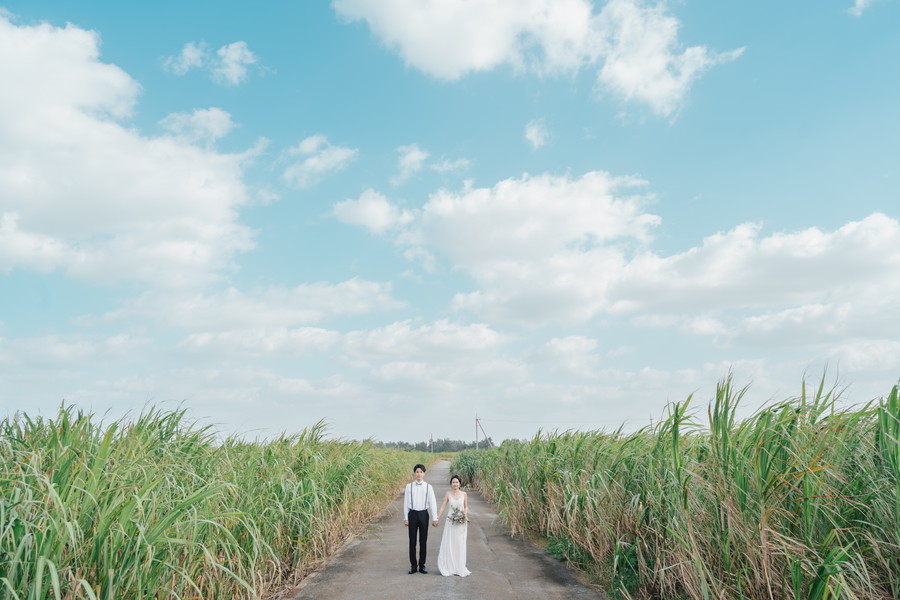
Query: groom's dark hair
x=419, y=467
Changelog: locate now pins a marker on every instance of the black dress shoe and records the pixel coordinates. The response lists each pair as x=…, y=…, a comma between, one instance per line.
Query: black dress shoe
x=412, y=570
x=423, y=570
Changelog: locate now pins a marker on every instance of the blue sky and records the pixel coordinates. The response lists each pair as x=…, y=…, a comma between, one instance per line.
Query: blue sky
x=395, y=215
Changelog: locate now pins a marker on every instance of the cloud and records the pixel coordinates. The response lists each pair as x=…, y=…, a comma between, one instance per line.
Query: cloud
x=859, y=6
x=272, y=308
x=740, y=268
x=261, y=342
x=448, y=166
x=441, y=360
x=450, y=39
x=203, y=125
x=739, y=287
x=400, y=360
x=572, y=355
x=411, y=160
x=193, y=56
x=635, y=45
x=440, y=340
x=642, y=61
x=427, y=260
x=540, y=247
x=27, y=250
x=232, y=64
x=421, y=368
x=544, y=249
x=828, y=318
x=703, y=325
x=536, y=133
x=868, y=355
x=82, y=194
x=321, y=159
x=372, y=211
x=228, y=66
x=443, y=383
x=532, y=217
x=68, y=353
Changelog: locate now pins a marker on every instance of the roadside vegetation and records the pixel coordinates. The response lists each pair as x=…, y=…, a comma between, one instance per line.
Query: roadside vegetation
x=442, y=445
x=801, y=500
x=159, y=507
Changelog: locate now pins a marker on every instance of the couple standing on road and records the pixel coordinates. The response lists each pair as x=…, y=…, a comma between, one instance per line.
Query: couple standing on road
x=418, y=502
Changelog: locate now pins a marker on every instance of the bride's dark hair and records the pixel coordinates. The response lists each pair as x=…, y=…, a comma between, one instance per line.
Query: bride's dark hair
x=456, y=477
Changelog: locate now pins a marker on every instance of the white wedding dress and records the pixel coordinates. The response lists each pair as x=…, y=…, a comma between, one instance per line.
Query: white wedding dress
x=452, y=555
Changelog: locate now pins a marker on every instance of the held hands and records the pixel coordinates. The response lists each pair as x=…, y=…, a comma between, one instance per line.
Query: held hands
x=434, y=523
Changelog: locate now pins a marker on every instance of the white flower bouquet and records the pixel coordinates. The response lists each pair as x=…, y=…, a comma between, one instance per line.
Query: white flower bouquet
x=457, y=517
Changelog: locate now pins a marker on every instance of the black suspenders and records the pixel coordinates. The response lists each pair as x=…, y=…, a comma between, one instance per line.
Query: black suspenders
x=427, y=486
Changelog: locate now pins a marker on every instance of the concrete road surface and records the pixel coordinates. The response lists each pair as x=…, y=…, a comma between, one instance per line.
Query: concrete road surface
x=374, y=565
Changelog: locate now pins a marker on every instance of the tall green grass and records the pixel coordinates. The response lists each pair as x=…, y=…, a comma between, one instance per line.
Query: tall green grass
x=802, y=500
x=158, y=507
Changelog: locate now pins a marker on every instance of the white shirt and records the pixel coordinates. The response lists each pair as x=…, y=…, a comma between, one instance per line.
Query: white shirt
x=419, y=496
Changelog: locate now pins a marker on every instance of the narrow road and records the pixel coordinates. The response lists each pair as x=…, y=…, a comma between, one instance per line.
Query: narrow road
x=374, y=565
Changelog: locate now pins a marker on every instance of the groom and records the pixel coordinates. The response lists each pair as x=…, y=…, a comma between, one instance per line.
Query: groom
x=418, y=501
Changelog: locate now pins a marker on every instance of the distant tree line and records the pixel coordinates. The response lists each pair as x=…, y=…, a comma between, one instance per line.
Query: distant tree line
x=439, y=445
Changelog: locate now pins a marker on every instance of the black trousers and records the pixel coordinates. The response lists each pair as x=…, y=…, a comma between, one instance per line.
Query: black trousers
x=418, y=526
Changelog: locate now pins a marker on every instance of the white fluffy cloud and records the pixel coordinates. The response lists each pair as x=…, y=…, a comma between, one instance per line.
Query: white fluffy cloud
x=321, y=158
x=232, y=64
x=809, y=288
x=536, y=133
x=192, y=56
x=532, y=217
x=635, y=44
x=449, y=39
x=540, y=247
x=203, y=125
x=372, y=211
x=411, y=160
x=642, y=60
x=788, y=289
x=741, y=268
x=228, y=66
x=83, y=194
x=547, y=249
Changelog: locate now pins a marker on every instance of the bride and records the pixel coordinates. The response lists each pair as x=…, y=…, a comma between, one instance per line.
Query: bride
x=452, y=555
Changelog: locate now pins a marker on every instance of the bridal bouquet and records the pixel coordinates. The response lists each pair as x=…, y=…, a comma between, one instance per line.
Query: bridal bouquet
x=457, y=517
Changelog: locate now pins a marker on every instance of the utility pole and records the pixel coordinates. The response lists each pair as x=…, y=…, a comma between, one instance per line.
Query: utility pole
x=488, y=442
x=431, y=441
x=476, y=431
